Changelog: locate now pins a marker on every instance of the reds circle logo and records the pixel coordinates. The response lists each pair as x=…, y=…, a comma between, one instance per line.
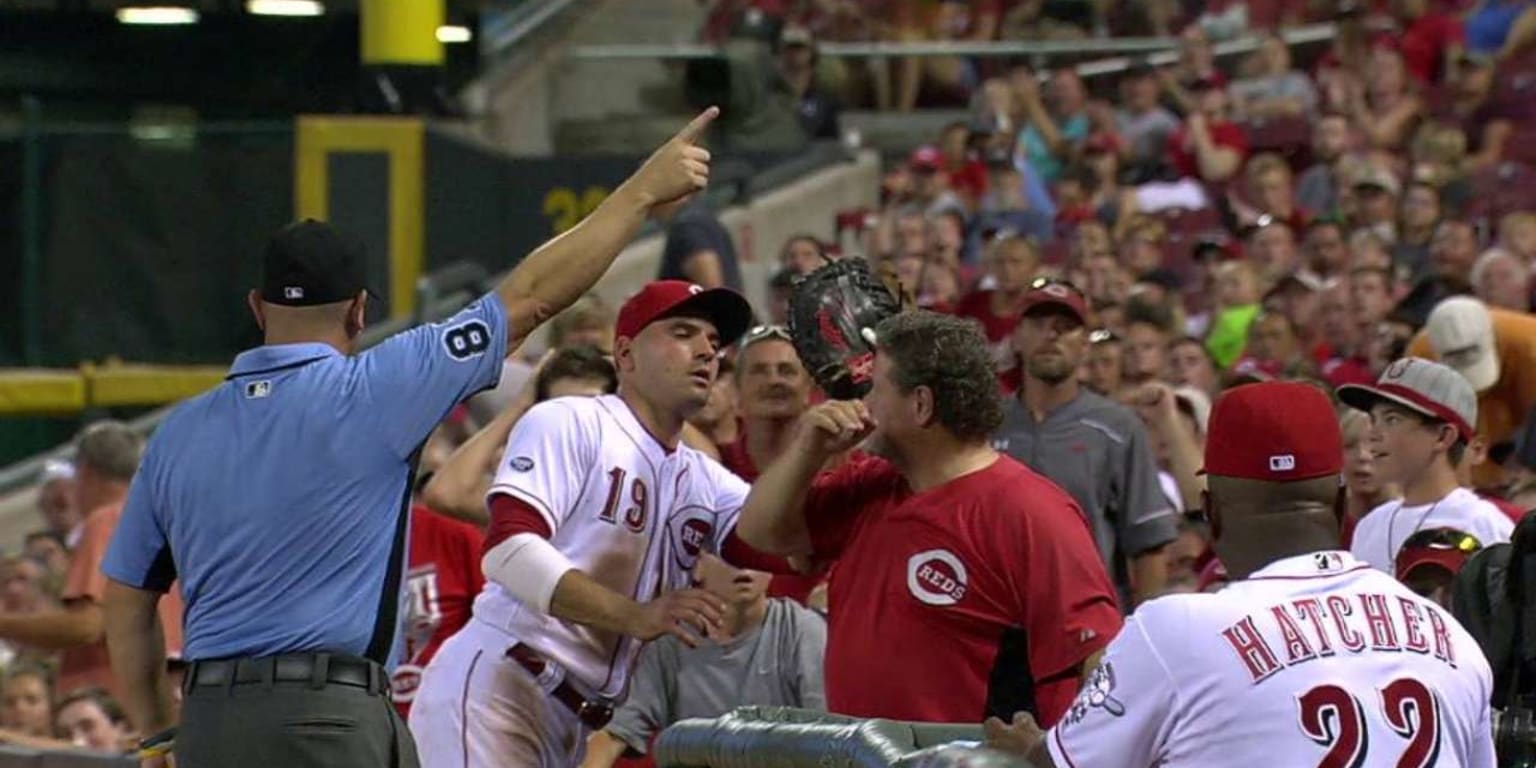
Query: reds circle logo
x=936, y=577
x=694, y=534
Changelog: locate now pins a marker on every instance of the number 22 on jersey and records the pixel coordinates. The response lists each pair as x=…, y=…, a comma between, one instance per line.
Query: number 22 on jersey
x=1334, y=718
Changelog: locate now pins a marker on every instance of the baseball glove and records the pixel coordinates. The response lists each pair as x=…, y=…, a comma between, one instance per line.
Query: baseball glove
x=833, y=312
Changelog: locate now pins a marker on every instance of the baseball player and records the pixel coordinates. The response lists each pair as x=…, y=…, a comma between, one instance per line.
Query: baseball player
x=598, y=514
x=1312, y=658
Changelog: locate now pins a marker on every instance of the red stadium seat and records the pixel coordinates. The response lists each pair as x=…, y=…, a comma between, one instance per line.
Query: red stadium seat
x=1290, y=137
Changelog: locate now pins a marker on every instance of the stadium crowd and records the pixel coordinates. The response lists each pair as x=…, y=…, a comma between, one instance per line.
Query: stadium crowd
x=1128, y=254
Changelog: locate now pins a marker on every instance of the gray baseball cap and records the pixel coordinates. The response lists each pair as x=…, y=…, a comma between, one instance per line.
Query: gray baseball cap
x=1424, y=387
x=1460, y=330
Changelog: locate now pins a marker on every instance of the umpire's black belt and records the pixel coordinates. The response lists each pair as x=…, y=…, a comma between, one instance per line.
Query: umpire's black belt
x=316, y=669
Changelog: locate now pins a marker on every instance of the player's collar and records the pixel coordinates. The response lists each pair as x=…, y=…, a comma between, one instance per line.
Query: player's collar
x=278, y=356
x=1315, y=565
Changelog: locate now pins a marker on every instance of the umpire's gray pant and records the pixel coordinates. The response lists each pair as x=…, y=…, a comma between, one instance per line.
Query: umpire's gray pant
x=269, y=723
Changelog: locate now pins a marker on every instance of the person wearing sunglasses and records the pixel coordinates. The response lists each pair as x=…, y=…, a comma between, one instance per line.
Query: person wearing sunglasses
x=774, y=390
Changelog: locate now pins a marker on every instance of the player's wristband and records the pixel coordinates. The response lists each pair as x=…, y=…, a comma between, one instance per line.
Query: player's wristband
x=159, y=744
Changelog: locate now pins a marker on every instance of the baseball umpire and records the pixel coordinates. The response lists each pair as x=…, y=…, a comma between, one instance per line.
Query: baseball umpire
x=280, y=497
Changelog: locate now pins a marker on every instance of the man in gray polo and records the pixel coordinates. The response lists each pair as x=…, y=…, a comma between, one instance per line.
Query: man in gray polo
x=1094, y=448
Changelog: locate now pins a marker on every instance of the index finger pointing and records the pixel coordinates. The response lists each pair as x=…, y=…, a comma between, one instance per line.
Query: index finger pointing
x=695, y=129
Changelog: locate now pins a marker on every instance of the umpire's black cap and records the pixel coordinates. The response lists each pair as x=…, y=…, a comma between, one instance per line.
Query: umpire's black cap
x=310, y=263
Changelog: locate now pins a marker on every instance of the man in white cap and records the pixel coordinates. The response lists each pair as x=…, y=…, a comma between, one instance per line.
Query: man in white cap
x=1495, y=350
x=1421, y=422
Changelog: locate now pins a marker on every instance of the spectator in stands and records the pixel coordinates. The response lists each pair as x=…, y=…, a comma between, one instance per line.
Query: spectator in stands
x=1495, y=350
x=1114, y=477
x=1148, y=328
x=1486, y=117
x=1502, y=280
x=1375, y=192
x=1298, y=298
x=1106, y=363
x=1370, y=293
x=1108, y=200
x=1273, y=87
x=90, y=719
x=1421, y=422
x=48, y=547
x=699, y=249
x=1208, y=146
x=1430, y=40
x=26, y=586
x=1191, y=365
x=1327, y=254
x=767, y=653
x=459, y=485
x=1176, y=420
x=1347, y=361
x=1517, y=234
x=930, y=184
x=941, y=80
x=55, y=501
x=106, y=456
x=26, y=700
x=717, y=419
x=803, y=254
x=1237, y=303
x=1143, y=121
x=1055, y=124
x=1273, y=339
x=1364, y=488
x=1011, y=265
x=1143, y=245
x=1269, y=192
x=1453, y=250
x=796, y=58
x=1418, y=218
x=774, y=391
x=1107, y=281
x=1196, y=70
x=1270, y=244
x=1317, y=188
x=1387, y=107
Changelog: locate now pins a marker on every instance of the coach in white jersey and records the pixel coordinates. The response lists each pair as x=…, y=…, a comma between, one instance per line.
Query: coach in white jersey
x=1311, y=658
x=598, y=514
x=1422, y=414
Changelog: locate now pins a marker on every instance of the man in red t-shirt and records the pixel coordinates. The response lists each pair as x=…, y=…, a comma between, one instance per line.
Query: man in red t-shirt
x=966, y=585
x=1429, y=40
x=441, y=585
x=1012, y=262
x=1208, y=146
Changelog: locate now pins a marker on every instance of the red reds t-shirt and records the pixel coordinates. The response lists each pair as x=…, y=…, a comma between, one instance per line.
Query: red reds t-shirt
x=1225, y=134
x=980, y=597
x=977, y=305
x=441, y=585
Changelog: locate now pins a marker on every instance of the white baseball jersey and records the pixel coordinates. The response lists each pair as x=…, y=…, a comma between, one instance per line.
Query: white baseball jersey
x=625, y=510
x=1380, y=534
x=1317, y=660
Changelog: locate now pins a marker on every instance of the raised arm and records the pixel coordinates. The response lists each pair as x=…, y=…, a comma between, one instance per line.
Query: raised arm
x=563, y=269
x=773, y=519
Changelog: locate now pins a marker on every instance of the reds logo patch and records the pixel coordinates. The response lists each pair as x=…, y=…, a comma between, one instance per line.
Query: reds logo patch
x=403, y=684
x=936, y=577
x=692, y=534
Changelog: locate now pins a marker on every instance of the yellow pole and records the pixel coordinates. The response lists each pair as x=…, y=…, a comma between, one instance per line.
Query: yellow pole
x=402, y=32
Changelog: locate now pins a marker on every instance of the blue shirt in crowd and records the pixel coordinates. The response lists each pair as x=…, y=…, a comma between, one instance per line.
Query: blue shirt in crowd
x=280, y=498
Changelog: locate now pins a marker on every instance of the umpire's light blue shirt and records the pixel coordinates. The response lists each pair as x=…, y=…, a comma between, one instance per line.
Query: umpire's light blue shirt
x=280, y=498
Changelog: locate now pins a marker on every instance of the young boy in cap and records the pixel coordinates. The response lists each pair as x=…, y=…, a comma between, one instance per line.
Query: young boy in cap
x=1422, y=414
x=1301, y=661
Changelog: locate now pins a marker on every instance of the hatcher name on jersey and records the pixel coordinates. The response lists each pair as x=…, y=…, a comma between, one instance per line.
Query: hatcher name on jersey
x=1322, y=627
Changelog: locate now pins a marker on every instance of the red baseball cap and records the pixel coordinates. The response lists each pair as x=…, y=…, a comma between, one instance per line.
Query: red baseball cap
x=925, y=158
x=1280, y=431
x=1058, y=294
x=1446, y=548
x=730, y=313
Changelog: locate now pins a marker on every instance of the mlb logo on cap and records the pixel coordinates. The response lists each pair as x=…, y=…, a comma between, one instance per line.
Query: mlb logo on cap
x=1276, y=431
x=293, y=292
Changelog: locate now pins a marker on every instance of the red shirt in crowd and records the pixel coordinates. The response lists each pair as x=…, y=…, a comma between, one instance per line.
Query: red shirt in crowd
x=977, y=305
x=1338, y=371
x=1424, y=43
x=1224, y=133
x=441, y=585
x=981, y=596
